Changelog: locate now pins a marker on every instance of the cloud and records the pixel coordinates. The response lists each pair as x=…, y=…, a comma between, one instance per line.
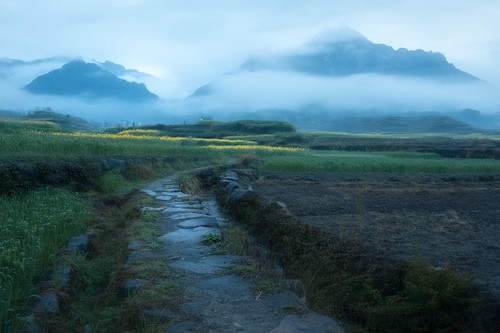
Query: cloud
x=190, y=42
x=246, y=91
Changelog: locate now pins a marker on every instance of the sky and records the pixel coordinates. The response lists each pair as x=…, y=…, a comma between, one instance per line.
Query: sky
x=188, y=43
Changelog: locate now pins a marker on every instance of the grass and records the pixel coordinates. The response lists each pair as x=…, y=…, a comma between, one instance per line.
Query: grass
x=188, y=183
x=33, y=228
x=146, y=229
x=376, y=162
x=39, y=138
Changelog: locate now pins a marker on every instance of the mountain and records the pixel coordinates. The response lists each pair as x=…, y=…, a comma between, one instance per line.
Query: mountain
x=344, y=54
x=348, y=52
x=120, y=70
x=78, y=78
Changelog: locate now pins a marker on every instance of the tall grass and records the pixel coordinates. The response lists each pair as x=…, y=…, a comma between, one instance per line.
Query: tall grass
x=32, y=229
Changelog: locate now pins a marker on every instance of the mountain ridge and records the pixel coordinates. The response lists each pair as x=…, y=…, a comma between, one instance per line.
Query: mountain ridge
x=355, y=54
x=78, y=78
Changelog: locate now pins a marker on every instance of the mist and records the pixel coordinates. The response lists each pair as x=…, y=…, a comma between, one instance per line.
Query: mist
x=245, y=91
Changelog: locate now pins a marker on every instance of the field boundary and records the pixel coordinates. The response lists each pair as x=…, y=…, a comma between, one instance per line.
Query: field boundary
x=341, y=279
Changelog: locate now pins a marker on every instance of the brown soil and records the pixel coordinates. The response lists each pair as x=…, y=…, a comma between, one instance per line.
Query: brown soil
x=446, y=219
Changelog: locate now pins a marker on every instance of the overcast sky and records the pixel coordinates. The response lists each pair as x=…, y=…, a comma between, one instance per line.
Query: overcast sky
x=190, y=42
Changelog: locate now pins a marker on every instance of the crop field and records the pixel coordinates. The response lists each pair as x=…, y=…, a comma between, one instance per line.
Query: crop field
x=32, y=229
x=359, y=185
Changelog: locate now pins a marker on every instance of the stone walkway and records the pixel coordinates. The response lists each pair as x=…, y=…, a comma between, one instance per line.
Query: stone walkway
x=213, y=300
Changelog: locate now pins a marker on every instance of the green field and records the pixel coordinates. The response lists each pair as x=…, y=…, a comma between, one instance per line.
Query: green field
x=33, y=226
x=28, y=138
x=378, y=162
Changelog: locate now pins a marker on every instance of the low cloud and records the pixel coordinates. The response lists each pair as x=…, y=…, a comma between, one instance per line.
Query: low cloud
x=246, y=91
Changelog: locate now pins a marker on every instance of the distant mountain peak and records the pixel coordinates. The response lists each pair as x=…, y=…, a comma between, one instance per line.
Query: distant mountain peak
x=81, y=79
x=341, y=34
x=344, y=52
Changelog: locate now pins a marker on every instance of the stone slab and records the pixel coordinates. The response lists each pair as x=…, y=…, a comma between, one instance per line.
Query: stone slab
x=194, y=235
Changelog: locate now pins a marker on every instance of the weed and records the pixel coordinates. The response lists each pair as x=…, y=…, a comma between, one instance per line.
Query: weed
x=87, y=275
x=266, y=286
x=292, y=309
x=211, y=239
x=151, y=270
x=246, y=269
x=146, y=229
x=189, y=183
x=234, y=240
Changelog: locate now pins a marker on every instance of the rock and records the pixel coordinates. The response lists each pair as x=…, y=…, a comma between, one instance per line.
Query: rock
x=48, y=304
x=188, y=216
x=118, y=165
x=105, y=165
x=62, y=275
x=230, y=175
x=152, y=209
x=137, y=256
x=195, y=235
x=155, y=315
x=131, y=286
x=150, y=193
x=182, y=327
x=81, y=244
x=136, y=245
x=201, y=222
x=310, y=323
x=173, y=210
x=230, y=186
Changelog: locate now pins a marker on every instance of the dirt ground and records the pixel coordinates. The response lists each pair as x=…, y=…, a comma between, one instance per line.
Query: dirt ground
x=446, y=219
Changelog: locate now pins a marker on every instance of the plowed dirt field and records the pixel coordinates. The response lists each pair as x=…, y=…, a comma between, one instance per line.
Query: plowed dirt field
x=447, y=219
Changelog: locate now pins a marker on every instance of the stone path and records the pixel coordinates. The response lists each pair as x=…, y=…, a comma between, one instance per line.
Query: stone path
x=213, y=300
